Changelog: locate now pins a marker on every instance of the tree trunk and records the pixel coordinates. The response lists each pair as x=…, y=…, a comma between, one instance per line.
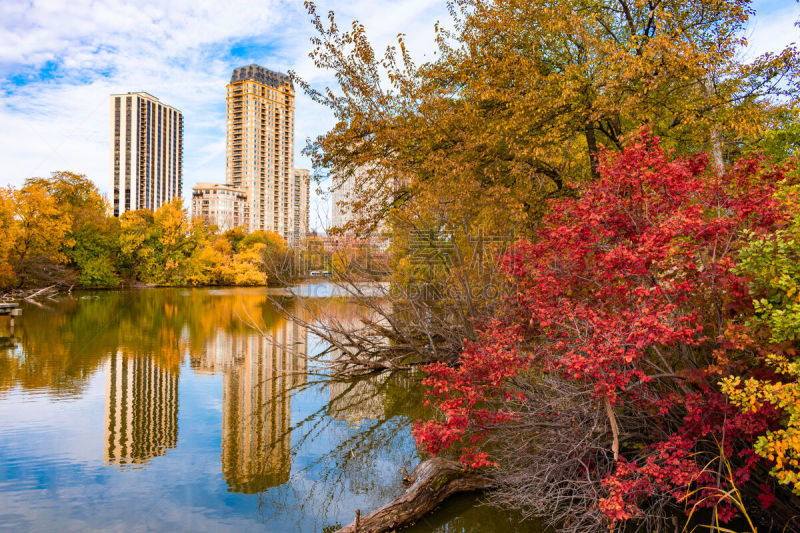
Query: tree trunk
x=591, y=142
x=716, y=151
x=716, y=134
x=434, y=481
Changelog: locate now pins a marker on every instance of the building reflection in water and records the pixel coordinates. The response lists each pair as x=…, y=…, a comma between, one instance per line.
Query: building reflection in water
x=258, y=375
x=352, y=400
x=359, y=400
x=141, y=410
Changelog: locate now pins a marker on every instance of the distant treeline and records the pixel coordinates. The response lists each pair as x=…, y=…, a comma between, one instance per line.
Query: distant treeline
x=58, y=230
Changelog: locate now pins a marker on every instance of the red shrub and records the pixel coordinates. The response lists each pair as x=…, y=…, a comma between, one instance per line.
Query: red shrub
x=631, y=289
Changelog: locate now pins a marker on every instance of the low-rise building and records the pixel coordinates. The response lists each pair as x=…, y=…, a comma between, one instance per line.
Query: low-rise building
x=222, y=205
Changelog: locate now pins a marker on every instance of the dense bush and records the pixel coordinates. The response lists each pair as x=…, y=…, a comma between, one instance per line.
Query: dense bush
x=638, y=296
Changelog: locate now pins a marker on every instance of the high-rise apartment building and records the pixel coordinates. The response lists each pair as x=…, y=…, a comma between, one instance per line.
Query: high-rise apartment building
x=300, y=203
x=341, y=197
x=225, y=206
x=260, y=149
x=358, y=198
x=146, y=152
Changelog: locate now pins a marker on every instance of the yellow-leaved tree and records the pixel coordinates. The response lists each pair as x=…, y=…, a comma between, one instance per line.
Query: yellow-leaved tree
x=8, y=239
x=42, y=229
x=91, y=244
x=158, y=247
x=520, y=95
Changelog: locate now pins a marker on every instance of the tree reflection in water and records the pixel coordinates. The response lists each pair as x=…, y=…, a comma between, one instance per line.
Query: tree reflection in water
x=312, y=449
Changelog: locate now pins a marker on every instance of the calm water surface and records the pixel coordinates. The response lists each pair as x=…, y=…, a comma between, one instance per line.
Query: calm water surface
x=166, y=410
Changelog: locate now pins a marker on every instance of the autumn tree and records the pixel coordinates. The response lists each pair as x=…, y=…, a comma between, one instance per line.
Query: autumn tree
x=626, y=312
x=176, y=241
x=8, y=239
x=511, y=111
x=271, y=252
x=136, y=229
x=58, y=230
x=271, y=240
x=520, y=96
x=222, y=261
x=157, y=247
x=782, y=139
x=91, y=244
x=42, y=232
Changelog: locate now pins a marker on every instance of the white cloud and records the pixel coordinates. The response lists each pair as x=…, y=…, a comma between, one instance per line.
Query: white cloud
x=59, y=120
x=182, y=54
x=773, y=27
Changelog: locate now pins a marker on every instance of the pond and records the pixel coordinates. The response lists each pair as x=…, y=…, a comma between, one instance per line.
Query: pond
x=198, y=410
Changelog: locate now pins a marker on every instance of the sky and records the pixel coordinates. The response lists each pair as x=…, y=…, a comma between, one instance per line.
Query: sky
x=60, y=61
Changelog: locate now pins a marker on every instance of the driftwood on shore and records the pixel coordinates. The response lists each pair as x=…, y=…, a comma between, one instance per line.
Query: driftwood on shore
x=29, y=295
x=433, y=481
x=47, y=291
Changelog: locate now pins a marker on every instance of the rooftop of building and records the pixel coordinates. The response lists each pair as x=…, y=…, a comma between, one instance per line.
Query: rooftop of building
x=261, y=75
x=213, y=185
x=145, y=95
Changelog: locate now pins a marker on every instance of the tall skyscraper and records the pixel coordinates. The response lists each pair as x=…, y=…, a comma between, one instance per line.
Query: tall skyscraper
x=341, y=197
x=358, y=197
x=146, y=152
x=260, y=149
x=300, y=203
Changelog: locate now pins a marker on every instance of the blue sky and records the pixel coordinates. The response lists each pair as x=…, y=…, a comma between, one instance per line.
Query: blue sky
x=60, y=59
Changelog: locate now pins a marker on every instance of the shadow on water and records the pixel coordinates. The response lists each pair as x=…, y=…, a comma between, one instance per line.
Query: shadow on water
x=465, y=514
x=198, y=410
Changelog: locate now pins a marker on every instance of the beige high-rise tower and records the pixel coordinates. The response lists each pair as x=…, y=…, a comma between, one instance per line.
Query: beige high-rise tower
x=302, y=185
x=146, y=152
x=260, y=148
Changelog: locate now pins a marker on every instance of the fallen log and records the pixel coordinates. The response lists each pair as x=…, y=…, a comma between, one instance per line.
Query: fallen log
x=433, y=481
x=33, y=295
